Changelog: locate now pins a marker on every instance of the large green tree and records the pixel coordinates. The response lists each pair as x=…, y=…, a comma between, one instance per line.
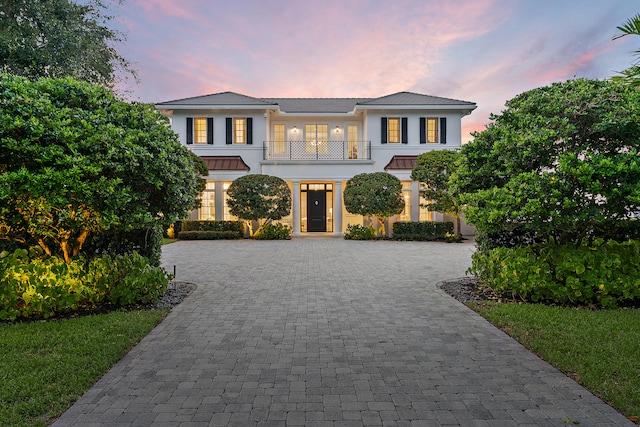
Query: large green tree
x=631, y=28
x=561, y=161
x=377, y=194
x=433, y=169
x=258, y=197
x=60, y=38
x=75, y=160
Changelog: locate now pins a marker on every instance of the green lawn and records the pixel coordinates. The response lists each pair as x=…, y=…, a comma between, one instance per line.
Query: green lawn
x=47, y=365
x=598, y=348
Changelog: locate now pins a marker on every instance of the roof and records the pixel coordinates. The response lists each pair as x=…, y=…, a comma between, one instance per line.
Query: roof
x=225, y=163
x=316, y=105
x=402, y=162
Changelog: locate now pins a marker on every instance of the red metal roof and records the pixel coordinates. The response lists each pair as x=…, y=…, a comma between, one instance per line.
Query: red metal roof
x=402, y=162
x=225, y=163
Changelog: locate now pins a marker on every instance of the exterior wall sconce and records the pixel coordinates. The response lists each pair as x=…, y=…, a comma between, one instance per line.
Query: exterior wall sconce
x=337, y=129
x=295, y=129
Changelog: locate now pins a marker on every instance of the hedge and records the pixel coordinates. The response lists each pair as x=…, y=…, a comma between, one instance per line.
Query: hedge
x=208, y=235
x=425, y=231
x=193, y=225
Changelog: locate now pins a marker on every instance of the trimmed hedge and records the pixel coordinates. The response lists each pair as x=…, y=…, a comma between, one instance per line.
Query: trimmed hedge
x=604, y=273
x=208, y=235
x=193, y=225
x=424, y=231
x=33, y=285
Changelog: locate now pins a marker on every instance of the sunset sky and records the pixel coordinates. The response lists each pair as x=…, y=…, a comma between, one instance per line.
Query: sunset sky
x=483, y=51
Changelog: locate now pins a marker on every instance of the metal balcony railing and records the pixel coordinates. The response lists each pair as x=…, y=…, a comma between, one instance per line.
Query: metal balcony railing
x=317, y=150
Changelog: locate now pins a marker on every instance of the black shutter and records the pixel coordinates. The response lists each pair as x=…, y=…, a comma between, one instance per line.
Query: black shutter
x=249, y=130
x=229, y=130
x=383, y=130
x=209, y=130
x=189, y=130
x=443, y=130
x=404, y=130
x=423, y=130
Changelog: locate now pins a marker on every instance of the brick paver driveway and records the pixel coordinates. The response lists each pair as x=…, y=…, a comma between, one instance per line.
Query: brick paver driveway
x=327, y=332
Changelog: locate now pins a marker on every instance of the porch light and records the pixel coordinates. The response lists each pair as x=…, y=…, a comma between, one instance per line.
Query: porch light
x=295, y=129
x=337, y=129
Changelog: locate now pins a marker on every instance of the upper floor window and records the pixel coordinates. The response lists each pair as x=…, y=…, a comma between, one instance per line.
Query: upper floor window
x=316, y=137
x=200, y=130
x=279, y=138
x=394, y=130
x=239, y=130
x=433, y=130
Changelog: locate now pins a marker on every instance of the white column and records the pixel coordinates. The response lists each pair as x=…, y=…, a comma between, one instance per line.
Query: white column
x=219, y=200
x=337, y=208
x=296, y=207
x=415, y=201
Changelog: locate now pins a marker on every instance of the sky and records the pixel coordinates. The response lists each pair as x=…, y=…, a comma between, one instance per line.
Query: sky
x=482, y=51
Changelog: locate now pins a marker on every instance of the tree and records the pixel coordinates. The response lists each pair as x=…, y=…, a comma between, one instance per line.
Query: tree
x=561, y=161
x=377, y=194
x=433, y=169
x=257, y=197
x=75, y=160
x=631, y=27
x=59, y=38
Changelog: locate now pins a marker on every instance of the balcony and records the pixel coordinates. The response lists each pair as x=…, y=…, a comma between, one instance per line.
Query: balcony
x=317, y=150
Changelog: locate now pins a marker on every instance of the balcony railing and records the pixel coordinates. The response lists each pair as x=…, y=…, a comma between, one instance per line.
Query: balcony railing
x=317, y=150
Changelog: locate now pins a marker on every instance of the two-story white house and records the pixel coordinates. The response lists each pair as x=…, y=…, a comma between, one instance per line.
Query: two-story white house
x=315, y=145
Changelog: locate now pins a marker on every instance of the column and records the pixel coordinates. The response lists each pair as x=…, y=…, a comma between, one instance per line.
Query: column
x=219, y=200
x=415, y=201
x=337, y=208
x=296, y=207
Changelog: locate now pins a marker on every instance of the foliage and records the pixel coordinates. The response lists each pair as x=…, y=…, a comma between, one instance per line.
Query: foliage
x=427, y=231
x=632, y=74
x=433, y=169
x=75, y=161
x=209, y=235
x=60, y=38
x=46, y=366
x=257, y=197
x=561, y=161
x=597, y=348
x=193, y=225
x=274, y=231
x=146, y=242
x=605, y=273
x=33, y=286
x=359, y=232
x=377, y=194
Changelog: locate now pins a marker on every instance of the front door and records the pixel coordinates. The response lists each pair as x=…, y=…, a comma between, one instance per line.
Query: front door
x=317, y=210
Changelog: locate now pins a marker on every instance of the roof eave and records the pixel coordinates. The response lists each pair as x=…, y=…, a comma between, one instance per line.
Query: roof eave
x=463, y=107
x=215, y=107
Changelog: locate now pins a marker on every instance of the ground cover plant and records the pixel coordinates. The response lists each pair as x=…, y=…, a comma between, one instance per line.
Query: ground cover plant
x=597, y=348
x=47, y=365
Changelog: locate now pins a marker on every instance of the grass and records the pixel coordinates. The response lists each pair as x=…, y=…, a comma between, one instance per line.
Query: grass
x=597, y=348
x=166, y=241
x=47, y=365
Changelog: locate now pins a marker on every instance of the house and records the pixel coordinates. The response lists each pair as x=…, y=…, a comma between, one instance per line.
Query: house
x=315, y=145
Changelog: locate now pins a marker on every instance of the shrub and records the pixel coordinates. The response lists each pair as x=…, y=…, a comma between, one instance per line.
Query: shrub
x=208, y=235
x=429, y=230
x=146, y=242
x=192, y=225
x=33, y=286
x=275, y=231
x=359, y=232
x=605, y=273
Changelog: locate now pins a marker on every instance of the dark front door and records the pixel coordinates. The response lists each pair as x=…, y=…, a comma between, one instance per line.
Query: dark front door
x=317, y=211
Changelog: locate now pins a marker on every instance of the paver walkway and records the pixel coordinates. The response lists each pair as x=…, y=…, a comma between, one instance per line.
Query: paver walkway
x=328, y=332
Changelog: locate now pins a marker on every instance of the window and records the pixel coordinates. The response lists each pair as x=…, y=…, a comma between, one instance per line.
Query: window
x=200, y=130
x=316, y=137
x=352, y=138
x=279, y=140
x=207, y=209
x=239, y=130
x=227, y=212
x=394, y=130
x=405, y=215
x=433, y=130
